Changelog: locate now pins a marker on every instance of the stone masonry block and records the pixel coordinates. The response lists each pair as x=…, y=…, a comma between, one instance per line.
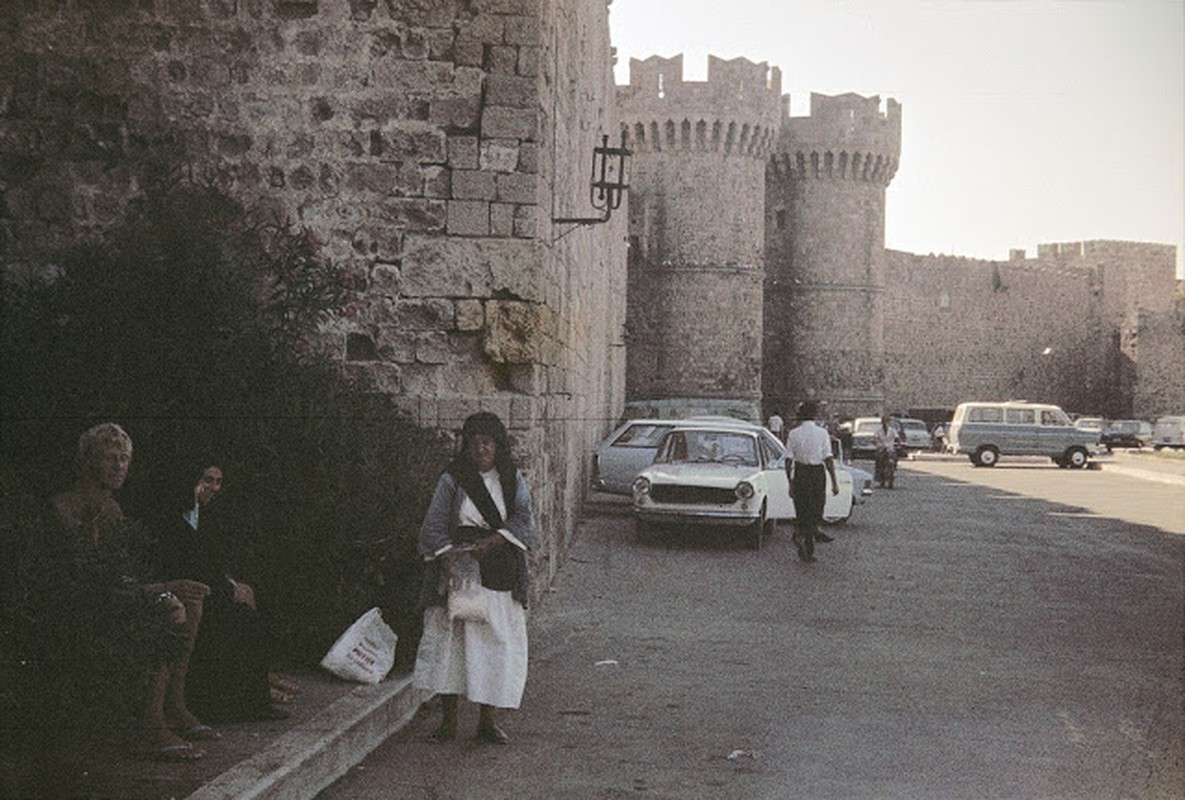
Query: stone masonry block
x=502, y=60
x=428, y=314
x=509, y=123
x=433, y=348
x=505, y=6
x=525, y=412
x=472, y=184
x=454, y=112
x=469, y=52
x=468, y=218
x=414, y=214
x=485, y=27
x=436, y=267
x=462, y=152
x=528, y=379
x=440, y=43
x=499, y=155
x=502, y=219
x=528, y=157
x=470, y=315
x=515, y=331
x=511, y=90
x=528, y=62
x=525, y=221
x=521, y=30
x=515, y=187
x=437, y=181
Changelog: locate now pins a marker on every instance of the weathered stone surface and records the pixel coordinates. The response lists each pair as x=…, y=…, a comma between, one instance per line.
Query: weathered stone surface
x=509, y=123
x=516, y=331
x=499, y=155
x=467, y=268
x=468, y=218
x=470, y=315
x=473, y=185
x=463, y=152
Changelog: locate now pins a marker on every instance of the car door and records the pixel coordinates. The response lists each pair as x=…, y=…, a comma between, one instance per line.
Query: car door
x=630, y=452
x=780, y=506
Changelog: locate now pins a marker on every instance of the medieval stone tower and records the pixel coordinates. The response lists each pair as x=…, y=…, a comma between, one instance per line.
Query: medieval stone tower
x=825, y=254
x=697, y=209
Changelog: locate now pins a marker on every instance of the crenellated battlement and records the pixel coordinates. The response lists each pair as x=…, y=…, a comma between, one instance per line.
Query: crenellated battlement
x=737, y=110
x=845, y=137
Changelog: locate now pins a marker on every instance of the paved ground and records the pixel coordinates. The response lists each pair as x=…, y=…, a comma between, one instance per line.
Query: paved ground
x=975, y=633
x=972, y=634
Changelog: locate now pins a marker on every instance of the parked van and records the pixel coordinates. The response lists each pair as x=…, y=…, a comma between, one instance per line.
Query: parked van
x=986, y=431
x=1168, y=432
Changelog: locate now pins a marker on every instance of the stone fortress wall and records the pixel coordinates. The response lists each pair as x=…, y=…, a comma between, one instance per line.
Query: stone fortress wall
x=1094, y=326
x=427, y=146
x=696, y=207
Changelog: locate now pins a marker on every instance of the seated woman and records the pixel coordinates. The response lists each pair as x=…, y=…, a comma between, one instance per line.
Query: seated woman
x=229, y=676
x=85, y=576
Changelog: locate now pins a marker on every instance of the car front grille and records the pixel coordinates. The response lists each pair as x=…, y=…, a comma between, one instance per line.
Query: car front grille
x=692, y=495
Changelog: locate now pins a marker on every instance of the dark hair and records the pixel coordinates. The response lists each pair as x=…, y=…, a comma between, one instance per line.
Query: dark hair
x=486, y=423
x=808, y=409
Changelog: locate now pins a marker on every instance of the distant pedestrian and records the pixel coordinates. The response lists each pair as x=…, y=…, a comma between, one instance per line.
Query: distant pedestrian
x=777, y=426
x=481, y=507
x=809, y=462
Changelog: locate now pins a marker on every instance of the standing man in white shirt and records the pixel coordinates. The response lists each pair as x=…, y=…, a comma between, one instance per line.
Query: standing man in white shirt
x=808, y=454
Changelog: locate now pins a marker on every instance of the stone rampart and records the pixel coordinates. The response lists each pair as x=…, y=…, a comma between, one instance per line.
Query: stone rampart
x=696, y=217
x=426, y=146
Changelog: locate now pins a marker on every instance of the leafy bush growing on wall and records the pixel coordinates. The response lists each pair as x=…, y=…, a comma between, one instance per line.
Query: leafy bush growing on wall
x=194, y=325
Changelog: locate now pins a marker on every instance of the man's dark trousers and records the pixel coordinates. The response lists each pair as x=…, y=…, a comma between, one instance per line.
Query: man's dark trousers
x=810, y=495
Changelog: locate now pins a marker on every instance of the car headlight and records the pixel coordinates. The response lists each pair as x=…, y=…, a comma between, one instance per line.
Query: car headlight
x=744, y=490
x=641, y=486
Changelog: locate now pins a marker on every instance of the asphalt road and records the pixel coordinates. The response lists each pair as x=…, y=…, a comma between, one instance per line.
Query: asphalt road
x=1005, y=633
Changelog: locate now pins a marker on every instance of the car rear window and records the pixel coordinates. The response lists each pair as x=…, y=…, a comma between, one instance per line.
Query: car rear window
x=641, y=435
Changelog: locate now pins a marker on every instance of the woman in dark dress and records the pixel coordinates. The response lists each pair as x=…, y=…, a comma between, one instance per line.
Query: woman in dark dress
x=229, y=670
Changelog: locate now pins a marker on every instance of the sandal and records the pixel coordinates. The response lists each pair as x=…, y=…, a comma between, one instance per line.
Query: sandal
x=283, y=684
x=200, y=733
x=173, y=752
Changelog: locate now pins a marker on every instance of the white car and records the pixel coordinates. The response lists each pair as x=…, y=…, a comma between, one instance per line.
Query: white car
x=724, y=475
x=915, y=434
x=631, y=447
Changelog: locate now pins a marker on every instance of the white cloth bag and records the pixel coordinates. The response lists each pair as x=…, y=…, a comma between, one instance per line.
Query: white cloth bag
x=365, y=652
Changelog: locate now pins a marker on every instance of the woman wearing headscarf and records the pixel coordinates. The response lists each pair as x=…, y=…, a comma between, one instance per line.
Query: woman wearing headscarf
x=481, y=507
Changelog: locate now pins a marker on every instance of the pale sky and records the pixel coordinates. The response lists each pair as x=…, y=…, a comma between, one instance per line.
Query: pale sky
x=1023, y=121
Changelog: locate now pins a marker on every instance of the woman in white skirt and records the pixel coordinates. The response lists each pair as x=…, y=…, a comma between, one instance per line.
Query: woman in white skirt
x=481, y=506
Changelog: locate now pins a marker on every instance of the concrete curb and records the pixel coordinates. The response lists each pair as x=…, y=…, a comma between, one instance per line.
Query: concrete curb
x=1144, y=474
x=298, y=765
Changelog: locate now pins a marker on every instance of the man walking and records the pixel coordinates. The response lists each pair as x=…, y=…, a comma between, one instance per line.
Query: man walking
x=808, y=454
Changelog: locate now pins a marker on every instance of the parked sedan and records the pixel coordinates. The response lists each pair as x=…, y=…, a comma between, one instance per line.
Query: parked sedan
x=723, y=476
x=631, y=447
x=1126, y=433
x=915, y=434
x=863, y=429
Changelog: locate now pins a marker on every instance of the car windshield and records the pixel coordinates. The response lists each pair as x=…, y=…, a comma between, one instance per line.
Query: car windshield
x=708, y=446
x=867, y=426
x=643, y=434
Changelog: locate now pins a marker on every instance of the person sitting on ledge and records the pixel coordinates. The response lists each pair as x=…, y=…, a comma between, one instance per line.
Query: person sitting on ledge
x=85, y=575
x=229, y=678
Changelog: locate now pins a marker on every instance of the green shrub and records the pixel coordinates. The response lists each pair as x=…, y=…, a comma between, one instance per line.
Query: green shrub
x=191, y=324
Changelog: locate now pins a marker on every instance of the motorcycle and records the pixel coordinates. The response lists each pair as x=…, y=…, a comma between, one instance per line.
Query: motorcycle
x=886, y=468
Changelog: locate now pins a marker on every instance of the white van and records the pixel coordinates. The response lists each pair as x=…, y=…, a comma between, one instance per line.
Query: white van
x=1168, y=432
x=986, y=431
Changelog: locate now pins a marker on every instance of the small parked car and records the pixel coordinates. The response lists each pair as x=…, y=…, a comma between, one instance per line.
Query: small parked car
x=631, y=448
x=863, y=429
x=1126, y=433
x=1169, y=432
x=1092, y=424
x=861, y=479
x=915, y=435
x=729, y=476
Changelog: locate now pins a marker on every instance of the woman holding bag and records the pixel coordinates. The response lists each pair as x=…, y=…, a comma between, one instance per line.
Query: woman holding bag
x=481, y=509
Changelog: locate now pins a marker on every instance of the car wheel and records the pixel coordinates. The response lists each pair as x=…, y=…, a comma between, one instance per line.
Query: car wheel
x=986, y=457
x=1076, y=457
x=756, y=530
